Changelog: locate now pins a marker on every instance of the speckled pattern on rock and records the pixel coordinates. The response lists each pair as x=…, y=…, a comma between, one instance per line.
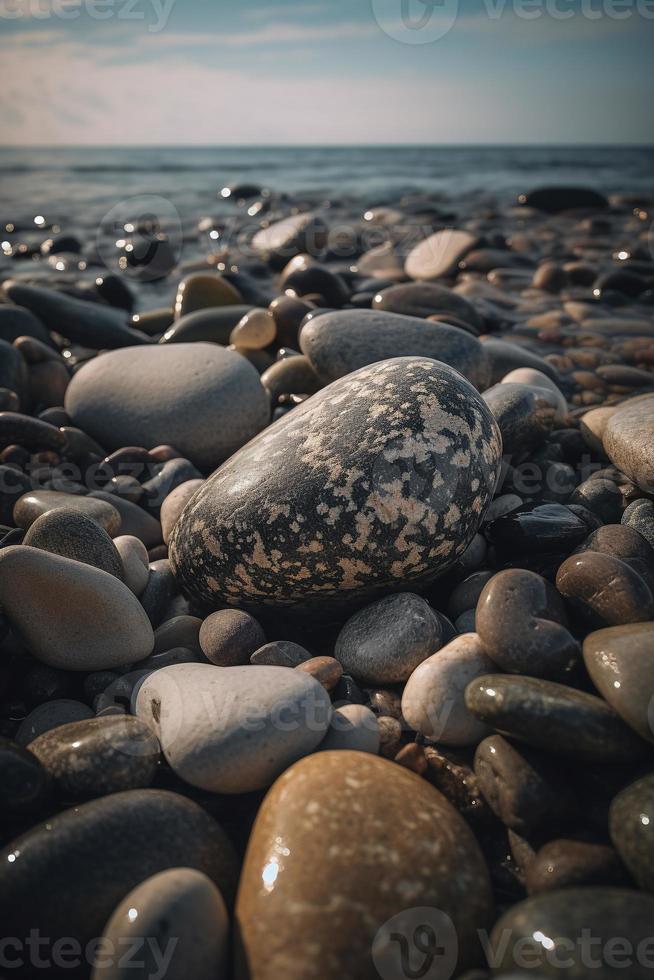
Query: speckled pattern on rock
x=314, y=893
x=381, y=478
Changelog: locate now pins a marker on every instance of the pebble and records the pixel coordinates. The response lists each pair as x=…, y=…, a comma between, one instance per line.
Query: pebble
x=561, y=198
x=229, y=637
x=341, y=342
x=93, y=325
x=593, y=424
x=292, y=375
x=423, y=299
x=640, y=516
x=213, y=325
x=326, y=670
x=572, y=864
x=505, y=356
x=201, y=290
x=353, y=727
x=256, y=330
x=280, y=653
x=620, y=662
x=628, y=441
x=220, y=728
x=98, y=625
x=328, y=527
x=522, y=625
x=625, y=543
x=631, y=823
x=91, y=758
x=17, y=321
x=524, y=415
x=537, y=527
x=283, y=239
x=178, y=922
x=147, y=396
x=432, y=862
x=49, y=715
x=134, y=520
x=604, y=591
x=30, y=433
x=38, y=503
x=390, y=736
x=24, y=784
x=433, y=700
x=72, y=534
x=536, y=379
x=553, y=717
x=439, y=255
x=67, y=875
x=593, y=931
x=521, y=787
x=135, y=563
x=384, y=642
x=173, y=505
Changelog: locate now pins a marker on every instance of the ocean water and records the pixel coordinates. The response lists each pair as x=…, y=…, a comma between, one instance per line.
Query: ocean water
x=90, y=191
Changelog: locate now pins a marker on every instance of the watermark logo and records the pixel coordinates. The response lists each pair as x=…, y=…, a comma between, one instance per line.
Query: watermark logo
x=155, y=13
x=141, y=238
x=416, y=944
x=416, y=21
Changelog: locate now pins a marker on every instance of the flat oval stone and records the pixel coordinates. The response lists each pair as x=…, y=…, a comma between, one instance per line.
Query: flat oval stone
x=604, y=591
x=384, y=642
x=93, y=325
x=203, y=289
x=176, y=394
x=283, y=239
x=631, y=823
x=440, y=254
x=17, y=321
x=341, y=342
x=88, y=759
x=65, y=877
x=353, y=727
x=233, y=729
x=553, y=717
x=70, y=533
x=629, y=441
x=521, y=623
x=280, y=653
x=540, y=527
x=69, y=614
x=620, y=661
x=213, y=324
x=184, y=917
x=382, y=478
x=609, y=928
x=423, y=299
x=433, y=698
x=573, y=863
x=429, y=856
x=37, y=503
x=31, y=433
x=562, y=198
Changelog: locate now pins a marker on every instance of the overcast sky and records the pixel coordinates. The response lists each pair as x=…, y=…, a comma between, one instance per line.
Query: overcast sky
x=339, y=71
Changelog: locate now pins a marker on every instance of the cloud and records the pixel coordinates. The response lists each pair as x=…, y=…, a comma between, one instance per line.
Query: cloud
x=286, y=10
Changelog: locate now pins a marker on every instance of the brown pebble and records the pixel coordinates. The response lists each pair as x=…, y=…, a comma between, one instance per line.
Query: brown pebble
x=412, y=757
x=384, y=701
x=390, y=736
x=604, y=590
x=326, y=670
x=573, y=864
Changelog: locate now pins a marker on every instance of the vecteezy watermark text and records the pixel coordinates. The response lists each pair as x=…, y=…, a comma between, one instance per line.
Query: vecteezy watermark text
x=143, y=953
x=155, y=12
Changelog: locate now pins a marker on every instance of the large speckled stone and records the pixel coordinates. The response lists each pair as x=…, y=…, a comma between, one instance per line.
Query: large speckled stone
x=201, y=398
x=344, y=842
x=340, y=342
x=378, y=481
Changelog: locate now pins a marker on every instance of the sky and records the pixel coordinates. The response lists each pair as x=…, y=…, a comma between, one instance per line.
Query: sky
x=212, y=72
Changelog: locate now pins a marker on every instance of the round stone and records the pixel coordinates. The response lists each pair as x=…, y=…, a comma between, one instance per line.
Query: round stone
x=521, y=623
x=384, y=642
x=256, y=330
x=631, y=823
x=604, y=591
x=525, y=415
x=440, y=254
x=71, y=534
x=608, y=928
x=433, y=699
x=185, y=919
x=69, y=614
x=341, y=926
x=629, y=441
x=326, y=670
x=174, y=394
x=620, y=661
x=354, y=727
x=202, y=290
x=233, y=729
x=88, y=759
x=229, y=637
x=341, y=342
x=381, y=478
x=66, y=876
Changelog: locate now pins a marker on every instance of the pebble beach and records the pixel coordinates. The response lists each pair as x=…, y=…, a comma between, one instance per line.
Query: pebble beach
x=327, y=566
